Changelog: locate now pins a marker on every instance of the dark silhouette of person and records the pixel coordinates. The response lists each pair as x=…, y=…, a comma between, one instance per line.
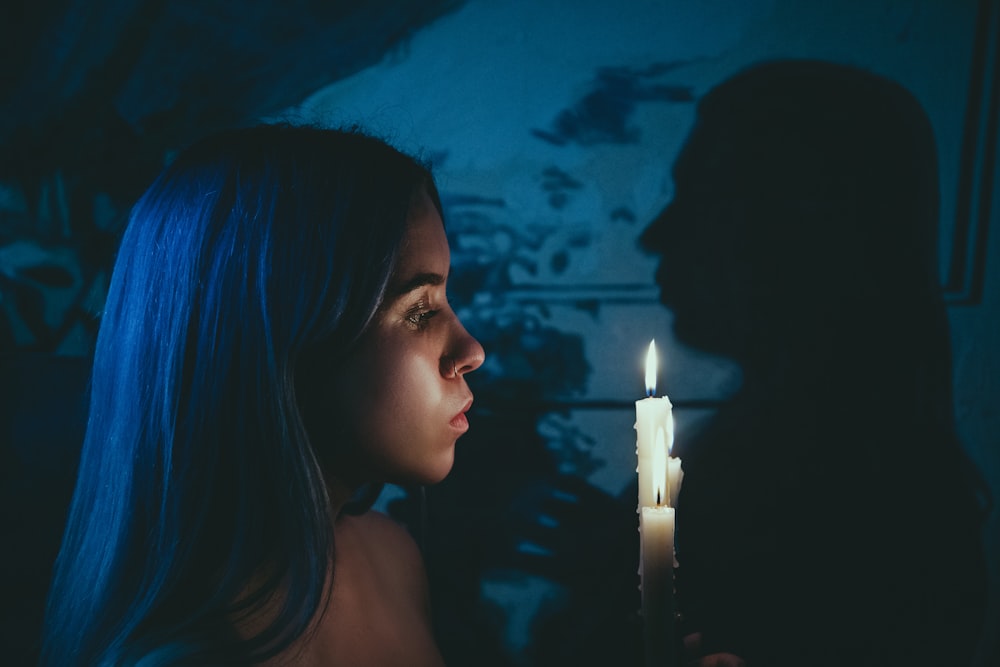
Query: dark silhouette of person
x=828, y=514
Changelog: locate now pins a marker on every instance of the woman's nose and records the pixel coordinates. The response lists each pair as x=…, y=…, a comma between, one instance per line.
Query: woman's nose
x=467, y=354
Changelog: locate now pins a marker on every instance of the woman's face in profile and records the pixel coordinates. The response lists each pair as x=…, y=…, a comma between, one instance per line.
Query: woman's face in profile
x=404, y=392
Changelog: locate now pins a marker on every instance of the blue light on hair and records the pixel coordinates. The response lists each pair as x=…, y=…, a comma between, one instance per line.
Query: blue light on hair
x=258, y=255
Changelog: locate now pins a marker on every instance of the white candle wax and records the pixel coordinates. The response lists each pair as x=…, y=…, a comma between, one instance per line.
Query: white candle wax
x=675, y=475
x=651, y=415
x=656, y=524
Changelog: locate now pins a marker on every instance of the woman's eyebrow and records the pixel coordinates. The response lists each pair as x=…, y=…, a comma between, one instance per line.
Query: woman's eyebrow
x=417, y=281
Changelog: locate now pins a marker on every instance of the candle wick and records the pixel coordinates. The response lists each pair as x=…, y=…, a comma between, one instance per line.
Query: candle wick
x=657, y=496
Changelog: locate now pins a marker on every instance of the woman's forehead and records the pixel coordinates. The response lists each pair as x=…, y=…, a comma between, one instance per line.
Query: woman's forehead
x=424, y=249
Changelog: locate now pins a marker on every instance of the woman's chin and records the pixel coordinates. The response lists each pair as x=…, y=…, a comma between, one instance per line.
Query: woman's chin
x=430, y=472
x=441, y=472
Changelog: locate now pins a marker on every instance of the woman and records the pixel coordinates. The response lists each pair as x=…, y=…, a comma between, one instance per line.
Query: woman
x=276, y=339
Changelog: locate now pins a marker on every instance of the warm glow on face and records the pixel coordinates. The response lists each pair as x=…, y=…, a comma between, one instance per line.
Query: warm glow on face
x=659, y=468
x=651, y=370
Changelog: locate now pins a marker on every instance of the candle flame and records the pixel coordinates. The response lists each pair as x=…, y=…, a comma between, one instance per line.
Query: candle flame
x=659, y=468
x=651, y=369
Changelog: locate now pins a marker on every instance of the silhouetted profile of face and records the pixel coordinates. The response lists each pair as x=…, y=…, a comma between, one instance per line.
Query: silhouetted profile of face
x=805, y=199
x=702, y=263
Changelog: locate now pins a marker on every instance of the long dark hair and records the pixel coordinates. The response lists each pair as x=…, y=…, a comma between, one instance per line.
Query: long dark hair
x=201, y=503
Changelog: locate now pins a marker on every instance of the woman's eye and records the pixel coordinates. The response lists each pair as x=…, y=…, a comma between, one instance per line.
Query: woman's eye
x=420, y=318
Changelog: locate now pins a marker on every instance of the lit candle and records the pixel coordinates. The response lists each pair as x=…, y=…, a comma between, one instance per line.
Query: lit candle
x=651, y=413
x=656, y=527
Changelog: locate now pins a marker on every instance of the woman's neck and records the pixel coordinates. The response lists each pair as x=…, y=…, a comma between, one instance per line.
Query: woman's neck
x=340, y=493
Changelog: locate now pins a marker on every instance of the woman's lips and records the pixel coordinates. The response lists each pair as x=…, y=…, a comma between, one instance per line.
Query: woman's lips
x=460, y=422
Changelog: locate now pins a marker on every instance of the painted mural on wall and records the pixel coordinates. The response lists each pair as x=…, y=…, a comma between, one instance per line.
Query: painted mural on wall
x=51, y=281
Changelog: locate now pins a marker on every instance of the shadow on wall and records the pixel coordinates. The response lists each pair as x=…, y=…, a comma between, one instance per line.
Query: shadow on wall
x=801, y=242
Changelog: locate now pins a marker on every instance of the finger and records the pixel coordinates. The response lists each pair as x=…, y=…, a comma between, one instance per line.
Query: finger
x=721, y=660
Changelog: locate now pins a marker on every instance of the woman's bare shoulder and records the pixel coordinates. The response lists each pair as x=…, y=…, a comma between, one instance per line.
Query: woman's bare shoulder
x=381, y=525
x=383, y=531
x=387, y=546
x=378, y=612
